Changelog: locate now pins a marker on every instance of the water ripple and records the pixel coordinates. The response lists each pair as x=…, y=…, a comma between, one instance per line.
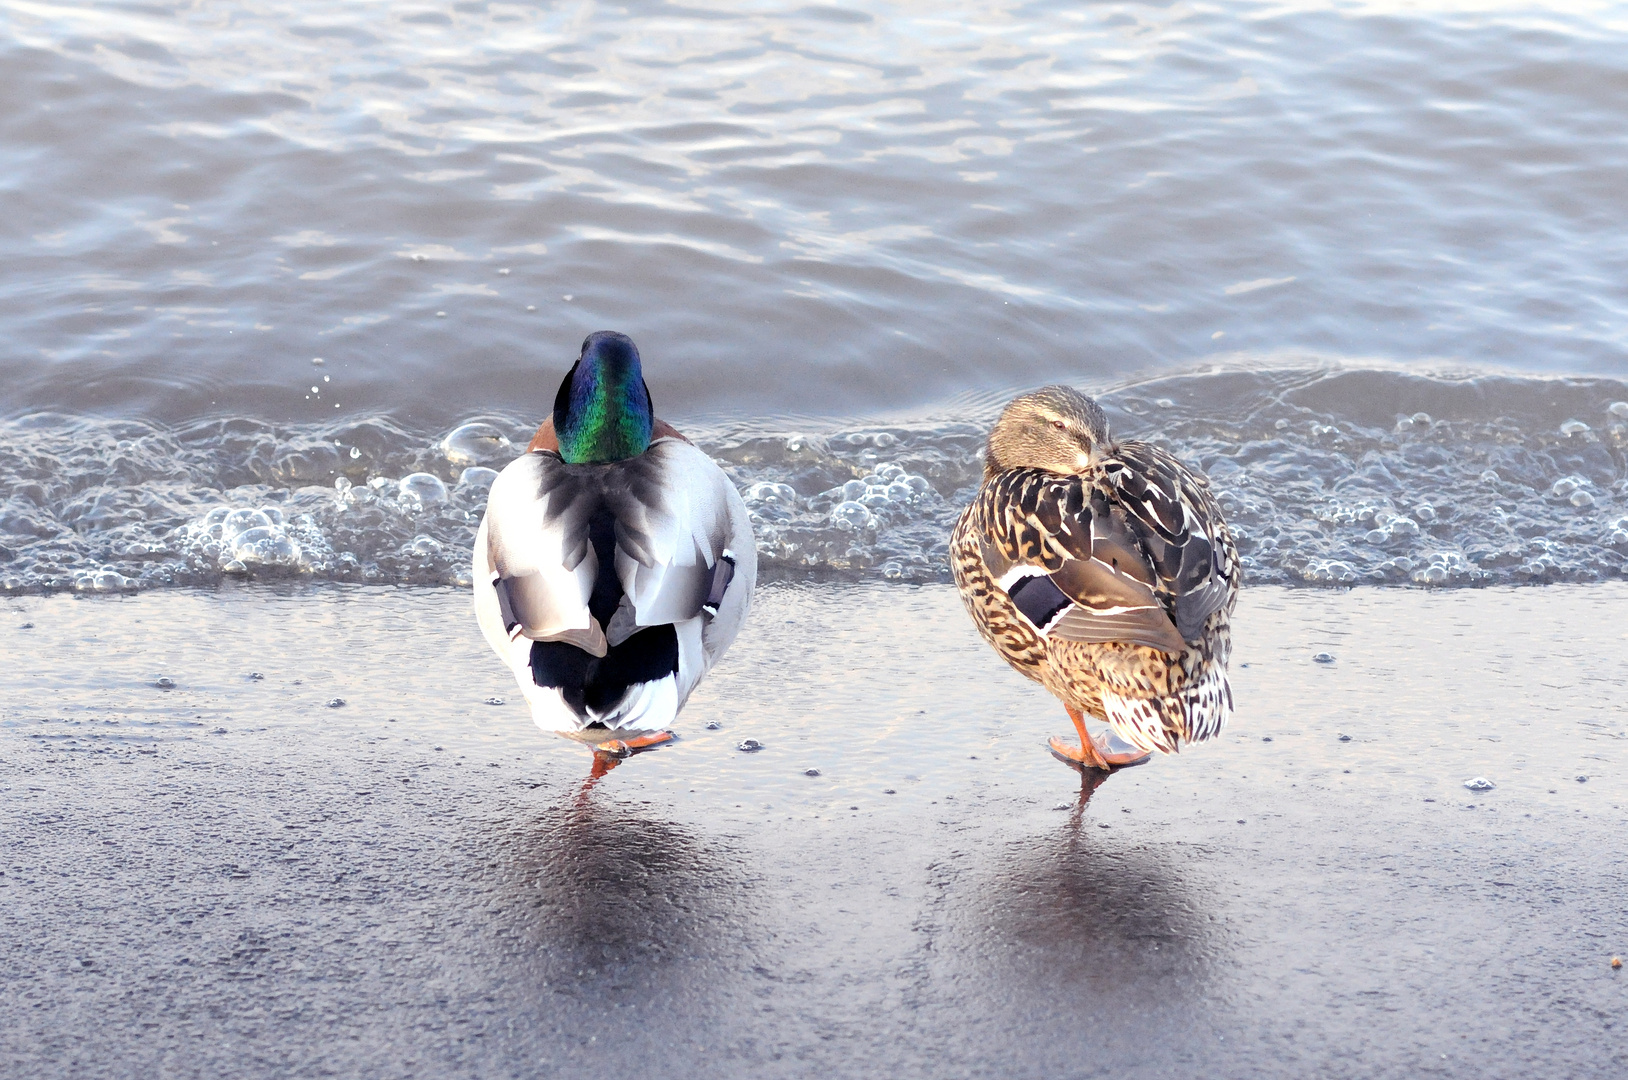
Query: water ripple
x=1329, y=477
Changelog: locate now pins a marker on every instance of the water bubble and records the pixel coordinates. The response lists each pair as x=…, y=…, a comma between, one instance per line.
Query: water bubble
x=749, y=746
x=494, y=701
x=713, y=725
x=477, y=476
x=1566, y=486
x=1573, y=427
x=255, y=676
x=768, y=491
x=106, y=580
x=424, y=488
x=531, y=307
x=1345, y=738
x=265, y=546
x=1618, y=408
x=440, y=314
x=1479, y=783
x=1323, y=658
x=1331, y=572
x=243, y=519
x=164, y=683
x=1489, y=476
x=317, y=361
x=1582, y=779
x=811, y=772
x=504, y=271
x=335, y=703
x=1164, y=403
x=851, y=515
x=473, y=443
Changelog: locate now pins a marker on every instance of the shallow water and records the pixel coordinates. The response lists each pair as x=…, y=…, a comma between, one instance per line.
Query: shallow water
x=1330, y=477
x=842, y=237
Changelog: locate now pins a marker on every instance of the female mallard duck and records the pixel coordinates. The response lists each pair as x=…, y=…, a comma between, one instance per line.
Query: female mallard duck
x=1104, y=572
x=615, y=563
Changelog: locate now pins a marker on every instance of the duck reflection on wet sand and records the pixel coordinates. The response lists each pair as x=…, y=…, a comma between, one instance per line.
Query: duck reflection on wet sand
x=1064, y=947
x=597, y=882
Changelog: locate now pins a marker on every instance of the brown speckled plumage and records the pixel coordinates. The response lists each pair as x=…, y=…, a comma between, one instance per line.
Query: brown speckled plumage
x=1111, y=584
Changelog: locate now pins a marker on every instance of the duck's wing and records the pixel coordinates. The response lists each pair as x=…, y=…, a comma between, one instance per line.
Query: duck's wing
x=1068, y=557
x=566, y=545
x=684, y=545
x=1179, y=529
x=535, y=556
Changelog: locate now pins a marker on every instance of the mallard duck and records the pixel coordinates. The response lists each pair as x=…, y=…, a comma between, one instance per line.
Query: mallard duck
x=615, y=562
x=1104, y=571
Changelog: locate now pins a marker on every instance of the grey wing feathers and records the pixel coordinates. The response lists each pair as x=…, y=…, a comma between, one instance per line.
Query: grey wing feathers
x=670, y=509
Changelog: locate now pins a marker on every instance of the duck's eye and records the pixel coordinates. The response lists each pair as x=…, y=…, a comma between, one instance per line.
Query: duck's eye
x=1059, y=425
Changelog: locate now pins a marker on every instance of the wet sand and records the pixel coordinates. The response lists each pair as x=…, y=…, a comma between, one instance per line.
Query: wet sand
x=231, y=877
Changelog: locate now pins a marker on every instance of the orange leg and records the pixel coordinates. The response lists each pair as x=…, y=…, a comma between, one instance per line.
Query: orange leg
x=608, y=755
x=1093, y=751
x=623, y=747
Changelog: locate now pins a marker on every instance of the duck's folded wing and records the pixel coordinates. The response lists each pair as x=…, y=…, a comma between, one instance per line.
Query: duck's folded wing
x=1178, y=524
x=539, y=552
x=681, y=533
x=1069, y=559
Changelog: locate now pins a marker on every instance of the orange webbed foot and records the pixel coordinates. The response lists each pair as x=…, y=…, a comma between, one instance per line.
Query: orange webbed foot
x=608, y=755
x=1094, y=751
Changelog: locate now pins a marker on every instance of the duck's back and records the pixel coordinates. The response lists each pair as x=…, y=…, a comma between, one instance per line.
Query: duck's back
x=1115, y=593
x=613, y=587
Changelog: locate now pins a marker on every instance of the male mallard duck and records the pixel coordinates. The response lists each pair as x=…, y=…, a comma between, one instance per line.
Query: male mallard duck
x=615, y=563
x=1104, y=572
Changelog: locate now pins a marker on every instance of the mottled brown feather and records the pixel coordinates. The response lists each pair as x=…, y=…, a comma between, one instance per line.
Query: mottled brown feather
x=1142, y=525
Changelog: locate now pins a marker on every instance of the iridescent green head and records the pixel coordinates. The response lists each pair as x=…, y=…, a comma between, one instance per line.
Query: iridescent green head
x=602, y=412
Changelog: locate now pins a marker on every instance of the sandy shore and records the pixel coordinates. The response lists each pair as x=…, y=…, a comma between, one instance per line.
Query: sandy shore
x=231, y=877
